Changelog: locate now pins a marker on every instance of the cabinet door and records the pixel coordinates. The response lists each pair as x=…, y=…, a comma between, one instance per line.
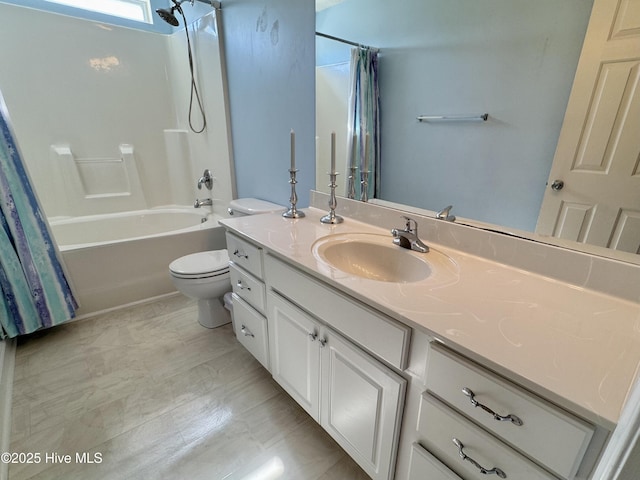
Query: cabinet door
x=361, y=405
x=295, y=352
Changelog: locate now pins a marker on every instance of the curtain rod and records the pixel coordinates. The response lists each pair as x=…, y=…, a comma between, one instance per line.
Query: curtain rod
x=342, y=40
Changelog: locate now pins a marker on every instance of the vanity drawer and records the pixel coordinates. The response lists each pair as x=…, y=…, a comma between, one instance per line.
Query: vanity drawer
x=251, y=330
x=245, y=254
x=439, y=425
x=552, y=436
x=380, y=335
x=248, y=288
x=424, y=466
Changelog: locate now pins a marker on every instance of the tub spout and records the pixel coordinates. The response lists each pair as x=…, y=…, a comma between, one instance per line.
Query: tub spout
x=207, y=202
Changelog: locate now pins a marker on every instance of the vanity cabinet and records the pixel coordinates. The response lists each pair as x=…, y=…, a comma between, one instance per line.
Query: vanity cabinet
x=470, y=419
x=249, y=297
x=353, y=396
x=361, y=373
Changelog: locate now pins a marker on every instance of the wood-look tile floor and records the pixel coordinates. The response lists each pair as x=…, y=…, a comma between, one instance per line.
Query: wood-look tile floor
x=147, y=393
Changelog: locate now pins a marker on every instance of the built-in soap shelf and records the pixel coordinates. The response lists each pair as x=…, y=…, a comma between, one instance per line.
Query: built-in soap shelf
x=97, y=184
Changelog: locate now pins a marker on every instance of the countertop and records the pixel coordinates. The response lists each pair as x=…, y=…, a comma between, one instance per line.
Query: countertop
x=577, y=347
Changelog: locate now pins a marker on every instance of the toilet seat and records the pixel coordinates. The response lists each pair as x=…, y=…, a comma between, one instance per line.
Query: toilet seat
x=213, y=263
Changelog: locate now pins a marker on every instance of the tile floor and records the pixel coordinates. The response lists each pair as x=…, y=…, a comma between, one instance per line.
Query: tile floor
x=147, y=393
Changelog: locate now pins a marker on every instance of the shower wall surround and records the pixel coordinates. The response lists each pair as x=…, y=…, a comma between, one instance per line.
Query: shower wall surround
x=100, y=88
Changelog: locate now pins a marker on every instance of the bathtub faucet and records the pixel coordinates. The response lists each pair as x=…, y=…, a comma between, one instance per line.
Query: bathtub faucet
x=206, y=179
x=207, y=202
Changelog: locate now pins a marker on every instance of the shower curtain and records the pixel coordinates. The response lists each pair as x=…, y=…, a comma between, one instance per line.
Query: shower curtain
x=364, y=119
x=35, y=291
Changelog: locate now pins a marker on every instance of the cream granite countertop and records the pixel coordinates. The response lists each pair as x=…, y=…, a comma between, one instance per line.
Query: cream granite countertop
x=579, y=348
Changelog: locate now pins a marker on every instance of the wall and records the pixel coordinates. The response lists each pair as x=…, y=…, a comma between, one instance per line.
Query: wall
x=95, y=86
x=512, y=59
x=269, y=49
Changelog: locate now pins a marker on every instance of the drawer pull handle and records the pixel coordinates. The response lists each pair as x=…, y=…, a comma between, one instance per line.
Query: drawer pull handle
x=241, y=286
x=483, y=470
x=508, y=418
x=246, y=332
x=240, y=254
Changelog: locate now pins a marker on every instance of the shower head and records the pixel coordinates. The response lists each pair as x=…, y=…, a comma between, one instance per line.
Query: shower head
x=167, y=13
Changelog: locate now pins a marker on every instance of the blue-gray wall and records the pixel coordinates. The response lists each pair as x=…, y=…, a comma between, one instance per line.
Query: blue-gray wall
x=270, y=50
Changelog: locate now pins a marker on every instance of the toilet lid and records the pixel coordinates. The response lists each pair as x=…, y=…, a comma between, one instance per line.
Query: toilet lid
x=201, y=263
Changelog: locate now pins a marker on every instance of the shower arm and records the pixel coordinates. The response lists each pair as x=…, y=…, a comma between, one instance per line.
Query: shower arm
x=213, y=3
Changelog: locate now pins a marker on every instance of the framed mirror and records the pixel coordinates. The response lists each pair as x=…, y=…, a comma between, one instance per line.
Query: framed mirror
x=513, y=60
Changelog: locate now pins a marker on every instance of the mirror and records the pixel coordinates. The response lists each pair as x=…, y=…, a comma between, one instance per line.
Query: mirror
x=514, y=60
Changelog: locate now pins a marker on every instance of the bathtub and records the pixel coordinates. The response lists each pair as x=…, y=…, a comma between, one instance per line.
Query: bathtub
x=123, y=258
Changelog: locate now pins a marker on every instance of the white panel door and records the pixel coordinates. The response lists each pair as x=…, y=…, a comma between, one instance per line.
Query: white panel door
x=361, y=405
x=295, y=353
x=598, y=153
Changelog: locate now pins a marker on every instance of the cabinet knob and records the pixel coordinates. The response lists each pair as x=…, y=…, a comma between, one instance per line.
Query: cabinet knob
x=323, y=342
x=507, y=418
x=484, y=471
x=313, y=336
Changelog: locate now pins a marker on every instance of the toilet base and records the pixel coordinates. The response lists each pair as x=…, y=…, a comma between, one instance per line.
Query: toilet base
x=212, y=314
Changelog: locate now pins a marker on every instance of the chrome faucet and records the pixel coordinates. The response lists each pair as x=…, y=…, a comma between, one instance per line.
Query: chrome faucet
x=444, y=214
x=408, y=238
x=207, y=202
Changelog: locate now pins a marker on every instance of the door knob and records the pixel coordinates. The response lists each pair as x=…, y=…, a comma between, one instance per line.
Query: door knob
x=557, y=185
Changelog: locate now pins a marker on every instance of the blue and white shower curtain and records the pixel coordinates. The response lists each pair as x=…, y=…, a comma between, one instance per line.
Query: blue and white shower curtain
x=364, y=119
x=34, y=290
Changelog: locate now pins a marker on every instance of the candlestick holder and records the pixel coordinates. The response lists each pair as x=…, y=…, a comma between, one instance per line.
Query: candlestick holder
x=351, y=186
x=293, y=212
x=331, y=218
x=364, y=195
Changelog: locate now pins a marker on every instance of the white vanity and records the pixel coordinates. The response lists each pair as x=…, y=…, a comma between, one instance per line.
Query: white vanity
x=471, y=370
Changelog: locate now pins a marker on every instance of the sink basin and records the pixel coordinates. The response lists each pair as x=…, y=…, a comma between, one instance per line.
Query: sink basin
x=373, y=257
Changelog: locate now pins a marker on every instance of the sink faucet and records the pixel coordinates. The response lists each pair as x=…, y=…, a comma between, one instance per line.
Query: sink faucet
x=408, y=238
x=444, y=214
x=207, y=202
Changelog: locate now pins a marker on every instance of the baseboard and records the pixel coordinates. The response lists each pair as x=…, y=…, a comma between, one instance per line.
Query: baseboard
x=7, y=365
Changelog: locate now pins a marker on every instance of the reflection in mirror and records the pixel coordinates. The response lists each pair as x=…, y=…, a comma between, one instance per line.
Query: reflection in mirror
x=515, y=60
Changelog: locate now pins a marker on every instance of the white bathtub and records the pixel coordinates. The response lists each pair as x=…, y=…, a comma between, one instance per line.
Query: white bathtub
x=92, y=230
x=123, y=258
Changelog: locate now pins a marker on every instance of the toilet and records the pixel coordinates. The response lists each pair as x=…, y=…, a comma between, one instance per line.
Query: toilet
x=204, y=276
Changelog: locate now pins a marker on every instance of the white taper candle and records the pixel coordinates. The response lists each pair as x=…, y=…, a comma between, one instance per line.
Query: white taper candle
x=366, y=153
x=293, y=150
x=354, y=150
x=333, y=153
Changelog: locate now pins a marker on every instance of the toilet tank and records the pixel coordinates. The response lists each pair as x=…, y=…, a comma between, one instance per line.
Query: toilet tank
x=252, y=206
